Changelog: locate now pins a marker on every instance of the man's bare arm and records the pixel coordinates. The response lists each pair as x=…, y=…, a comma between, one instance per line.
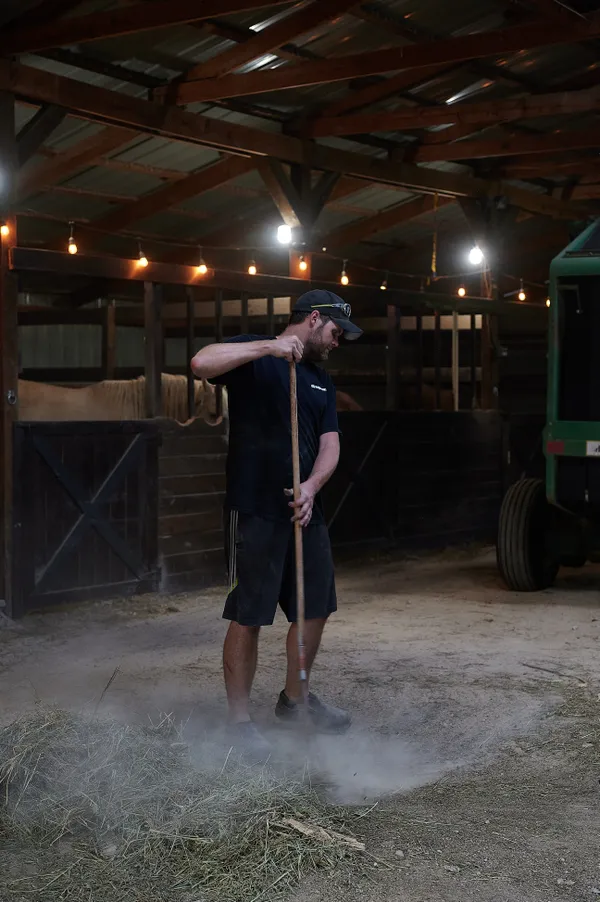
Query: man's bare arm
x=217, y=359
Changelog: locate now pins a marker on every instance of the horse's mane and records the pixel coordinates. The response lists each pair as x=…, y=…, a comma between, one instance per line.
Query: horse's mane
x=130, y=395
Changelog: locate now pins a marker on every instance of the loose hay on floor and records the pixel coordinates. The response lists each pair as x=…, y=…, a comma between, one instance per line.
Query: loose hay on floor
x=95, y=810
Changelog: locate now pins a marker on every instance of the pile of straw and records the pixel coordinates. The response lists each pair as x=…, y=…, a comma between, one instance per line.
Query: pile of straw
x=94, y=810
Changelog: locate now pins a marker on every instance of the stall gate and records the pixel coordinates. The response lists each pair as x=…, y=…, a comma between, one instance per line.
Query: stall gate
x=85, y=512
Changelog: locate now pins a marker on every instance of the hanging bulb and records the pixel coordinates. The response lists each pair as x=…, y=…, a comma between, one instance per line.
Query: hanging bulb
x=202, y=268
x=521, y=295
x=462, y=291
x=324, y=249
x=284, y=234
x=547, y=302
x=344, y=280
x=302, y=264
x=142, y=259
x=4, y=230
x=475, y=256
x=383, y=286
x=252, y=270
x=72, y=247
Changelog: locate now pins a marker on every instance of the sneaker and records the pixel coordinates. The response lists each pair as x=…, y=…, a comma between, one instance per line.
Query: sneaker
x=324, y=718
x=249, y=742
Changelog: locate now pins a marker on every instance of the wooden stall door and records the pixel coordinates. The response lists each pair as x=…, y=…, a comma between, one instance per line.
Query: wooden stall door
x=85, y=512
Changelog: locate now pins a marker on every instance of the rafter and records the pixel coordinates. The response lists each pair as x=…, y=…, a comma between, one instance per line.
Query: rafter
x=122, y=21
x=269, y=39
x=352, y=234
x=38, y=129
x=153, y=118
x=461, y=114
x=70, y=161
x=524, y=144
x=198, y=183
x=417, y=56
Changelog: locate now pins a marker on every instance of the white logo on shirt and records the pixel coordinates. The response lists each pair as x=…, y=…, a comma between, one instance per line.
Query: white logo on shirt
x=318, y=387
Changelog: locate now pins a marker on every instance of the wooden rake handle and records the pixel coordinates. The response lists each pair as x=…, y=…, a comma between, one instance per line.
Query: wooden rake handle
x=300, y=605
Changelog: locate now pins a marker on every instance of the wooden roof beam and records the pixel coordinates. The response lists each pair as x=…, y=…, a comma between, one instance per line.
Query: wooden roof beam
x=71, y=161
x=524, y=144
x=153, y=118
x=352, y=234
x=121, y=21
x=461, y=114
x=170, y=195
x=417, y=56
x=297, y=23
x=38, y=129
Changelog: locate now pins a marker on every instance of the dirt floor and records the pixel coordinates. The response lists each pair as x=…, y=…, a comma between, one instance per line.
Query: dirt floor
x=476, y=742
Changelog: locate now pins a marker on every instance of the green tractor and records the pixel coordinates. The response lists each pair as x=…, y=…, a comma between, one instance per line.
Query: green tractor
x=543, y=527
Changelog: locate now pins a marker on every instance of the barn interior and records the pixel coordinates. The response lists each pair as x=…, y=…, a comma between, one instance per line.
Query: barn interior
x=173, y=173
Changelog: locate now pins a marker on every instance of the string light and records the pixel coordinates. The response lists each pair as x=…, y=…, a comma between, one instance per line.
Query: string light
x=475, y=256
x=142, y=258
x=547, y=302
x=462, y=291
x=302, y=264
x=202, y=268
x=344, y=280
x=324, y=249
x=72, y=247
x=522, y=295
x=384, y=283
x=4, y=230
x=252, y=270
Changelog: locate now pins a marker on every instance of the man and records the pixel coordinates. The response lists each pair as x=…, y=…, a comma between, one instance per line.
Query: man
x=258, y=510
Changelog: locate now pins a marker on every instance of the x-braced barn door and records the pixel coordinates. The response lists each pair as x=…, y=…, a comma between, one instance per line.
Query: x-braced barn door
x=85, y=512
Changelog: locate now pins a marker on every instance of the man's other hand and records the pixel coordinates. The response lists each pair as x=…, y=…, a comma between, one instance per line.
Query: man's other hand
x=288, y=347
x=302, y=508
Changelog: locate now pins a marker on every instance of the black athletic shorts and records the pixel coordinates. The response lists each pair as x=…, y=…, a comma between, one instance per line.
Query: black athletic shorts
x=262, y=574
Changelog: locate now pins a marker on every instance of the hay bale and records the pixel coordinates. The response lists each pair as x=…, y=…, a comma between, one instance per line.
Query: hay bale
x=94, y=809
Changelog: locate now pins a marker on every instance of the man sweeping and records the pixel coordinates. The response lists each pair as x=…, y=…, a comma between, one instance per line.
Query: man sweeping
x=259, y=514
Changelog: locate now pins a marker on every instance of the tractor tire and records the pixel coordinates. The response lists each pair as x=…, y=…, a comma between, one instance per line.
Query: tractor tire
x=524, y=561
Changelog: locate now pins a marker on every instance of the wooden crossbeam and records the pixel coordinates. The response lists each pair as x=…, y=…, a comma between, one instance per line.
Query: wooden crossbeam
x=461, y=114
x=270, y=38
x=121, y=21
x=32, y=136
x=69, y=162
x=152, y=118
x=198, y=183
x=352, y=234
x=377, y=62
x=524, y=144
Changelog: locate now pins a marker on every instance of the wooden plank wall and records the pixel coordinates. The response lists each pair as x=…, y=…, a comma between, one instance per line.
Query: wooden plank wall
x=192, y=485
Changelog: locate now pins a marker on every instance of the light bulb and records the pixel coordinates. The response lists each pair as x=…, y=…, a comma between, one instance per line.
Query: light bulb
x=461, y=291
x=324, y=249
x=72, y=247
x=4, y=230
x=284, y=234
x=522, y=296
x=303, y=265
x=383, y=286
x=344, y=278
x=547, y=302
x=252, y=269
x=143, y=261
x=202, y=269
x=475, y=256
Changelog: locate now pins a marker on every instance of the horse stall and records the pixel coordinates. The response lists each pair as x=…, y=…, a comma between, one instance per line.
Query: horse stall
x=118, y=470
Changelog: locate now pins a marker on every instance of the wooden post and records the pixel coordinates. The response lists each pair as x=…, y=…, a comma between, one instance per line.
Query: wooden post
x=218, y=338
x=474, y=361
x=455, y=362
x=109, y=341
x=270, y=315
x=488, y=386
x=9, y=364
x=437, y=356
x=154, y=348
x=419, y=351
x=189, y=350
x=244, y=321
x=391, y=395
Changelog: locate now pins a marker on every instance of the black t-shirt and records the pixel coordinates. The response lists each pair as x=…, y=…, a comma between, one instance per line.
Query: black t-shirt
x=259, y=461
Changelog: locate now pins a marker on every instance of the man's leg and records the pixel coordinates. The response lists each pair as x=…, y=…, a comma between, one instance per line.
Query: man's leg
x=240, y=654
x=313, y=630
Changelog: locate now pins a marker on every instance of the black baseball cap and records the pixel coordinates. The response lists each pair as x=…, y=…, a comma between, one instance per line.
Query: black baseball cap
x=331, y=306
